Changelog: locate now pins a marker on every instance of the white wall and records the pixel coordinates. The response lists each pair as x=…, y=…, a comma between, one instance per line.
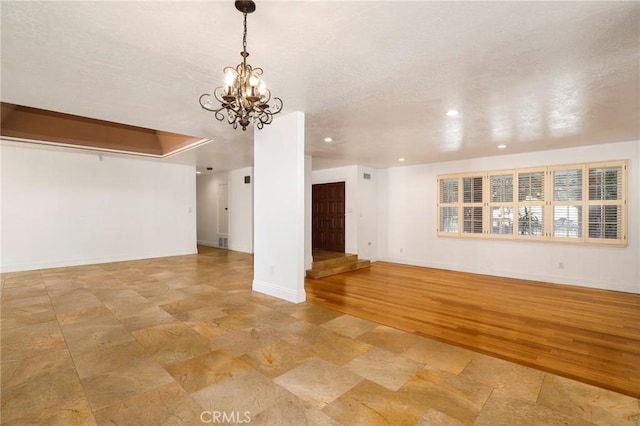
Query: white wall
x=240, y=209
x=368, y=214
x=279, y=208
x=308, y=256
x=207, y=207
x=407, y=224
x=62, y=208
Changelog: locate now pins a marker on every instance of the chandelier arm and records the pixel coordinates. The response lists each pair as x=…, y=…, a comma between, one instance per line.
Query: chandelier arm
x=203, y=104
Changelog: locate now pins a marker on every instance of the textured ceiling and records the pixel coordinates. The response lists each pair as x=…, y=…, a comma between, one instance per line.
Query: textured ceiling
x=377, y=77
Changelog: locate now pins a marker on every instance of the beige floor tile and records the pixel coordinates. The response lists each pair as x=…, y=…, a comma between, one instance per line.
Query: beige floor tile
x=86, y=314
x=31, y=365
x=436, y=418
x=277, y=358
x=186, y=304
x=504, y=410
x=98, y=333
x=205, y=370
x=288, y=409
x=440, y=355
x=147, y=316
x=384, y=368
x=349, y=326
x=218, y=327
x=338, y=349
x=166, y=296
x=114, y=297
x=139, y=376
x=459, y=398
x=35, y=396
x=240, y=342
x=71, y=413
x=104, y=360
x=10, y=303
x=171, y=343
x=265, y=299
x=369, y=404
x=302, y=333
x=516, y=380
x=74, y=301
x=318, y=381
x=152, y=288
x=475, y=392
x=200, y=315
x=21, y=279
x=249, y=392
x=124, y=308
x=243, y=310
x=390, y=339
x=272, y=319
x=28, y=315
x=38, y=337
x=166, y=405
x=202, y=290
x=314, y=314
x=590, y=403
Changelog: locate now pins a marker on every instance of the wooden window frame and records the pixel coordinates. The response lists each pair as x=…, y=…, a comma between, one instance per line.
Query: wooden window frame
x=546, y=205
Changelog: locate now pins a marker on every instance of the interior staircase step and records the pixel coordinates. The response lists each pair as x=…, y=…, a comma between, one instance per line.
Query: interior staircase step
x=363, y=263
x=336, y=265
x=332, y=270
x=345, y=259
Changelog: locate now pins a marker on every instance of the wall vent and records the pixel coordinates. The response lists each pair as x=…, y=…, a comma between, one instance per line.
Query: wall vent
x=223, y=242
x=366, y=176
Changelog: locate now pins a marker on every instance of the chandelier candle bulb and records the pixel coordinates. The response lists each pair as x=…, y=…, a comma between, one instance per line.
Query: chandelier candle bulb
x=238, y=95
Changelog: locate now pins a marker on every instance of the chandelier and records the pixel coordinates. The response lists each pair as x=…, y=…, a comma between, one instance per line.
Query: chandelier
x=244, y=95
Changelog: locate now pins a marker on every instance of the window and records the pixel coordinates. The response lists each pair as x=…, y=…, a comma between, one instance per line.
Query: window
x=531, y=197
x=472, y=205
x=501, y=205
x=448, y=205
x=567, y=205
x=607, y=203
x=579, y=203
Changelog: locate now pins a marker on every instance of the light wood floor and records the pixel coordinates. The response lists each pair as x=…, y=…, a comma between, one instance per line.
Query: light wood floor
x=584, y=334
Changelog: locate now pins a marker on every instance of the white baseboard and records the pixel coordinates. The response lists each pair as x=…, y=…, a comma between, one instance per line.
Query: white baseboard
x=64, y=263
x=208, y=243
x=279, y=292
x=548, y=278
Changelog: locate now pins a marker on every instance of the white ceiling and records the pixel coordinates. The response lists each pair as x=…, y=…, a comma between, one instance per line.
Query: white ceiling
x=375, y=76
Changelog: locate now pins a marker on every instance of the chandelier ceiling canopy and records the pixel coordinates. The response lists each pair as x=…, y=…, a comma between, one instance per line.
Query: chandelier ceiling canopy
x=244, y=96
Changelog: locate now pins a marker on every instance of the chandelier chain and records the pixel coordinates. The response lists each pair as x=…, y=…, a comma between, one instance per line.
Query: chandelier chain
x=244, y=35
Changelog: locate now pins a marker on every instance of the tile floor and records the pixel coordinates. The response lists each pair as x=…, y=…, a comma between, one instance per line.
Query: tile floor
x=184, y=340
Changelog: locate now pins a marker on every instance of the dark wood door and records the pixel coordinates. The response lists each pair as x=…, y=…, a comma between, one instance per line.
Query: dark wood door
x=327, y=218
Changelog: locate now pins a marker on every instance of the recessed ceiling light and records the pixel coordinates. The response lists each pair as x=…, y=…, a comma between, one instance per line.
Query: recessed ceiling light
x=453, y=113
x=401, y=159
x=198, y=172
x=503, y=146
x=328, y=139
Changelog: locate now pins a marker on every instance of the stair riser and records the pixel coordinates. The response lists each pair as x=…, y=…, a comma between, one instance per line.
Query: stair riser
x=325, y=272
x=337, y=261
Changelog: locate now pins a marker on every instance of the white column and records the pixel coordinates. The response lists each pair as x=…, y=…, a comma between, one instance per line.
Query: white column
x=279, y=208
